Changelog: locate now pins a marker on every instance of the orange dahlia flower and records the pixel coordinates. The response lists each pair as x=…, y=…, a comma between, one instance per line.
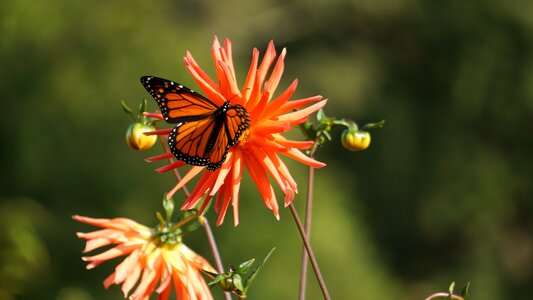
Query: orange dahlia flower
x=259, y=147
x=150, y=258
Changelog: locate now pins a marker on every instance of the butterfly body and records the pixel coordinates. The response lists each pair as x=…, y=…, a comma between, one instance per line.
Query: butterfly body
x=204, y=131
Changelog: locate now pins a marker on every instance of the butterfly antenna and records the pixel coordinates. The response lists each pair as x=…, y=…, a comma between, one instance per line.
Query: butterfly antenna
x=239, y=94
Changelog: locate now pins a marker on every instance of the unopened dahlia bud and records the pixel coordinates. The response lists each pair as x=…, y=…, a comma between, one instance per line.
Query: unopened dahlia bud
x=355, y=140
x=137, y=140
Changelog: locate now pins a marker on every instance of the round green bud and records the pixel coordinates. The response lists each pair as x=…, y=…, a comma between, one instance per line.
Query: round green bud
x=226, y=284
x=136, y=139
x=355, y=140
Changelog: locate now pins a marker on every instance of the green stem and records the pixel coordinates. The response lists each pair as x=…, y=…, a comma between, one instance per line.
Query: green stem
x=183, y=221
x=307, y=227
x=310, y=252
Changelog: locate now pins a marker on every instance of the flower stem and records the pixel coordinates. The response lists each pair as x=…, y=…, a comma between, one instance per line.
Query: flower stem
x=203, y=221
x=307, y=229
x=183, y=222
x=212, y=243
x=444, y=295
x=310, y=253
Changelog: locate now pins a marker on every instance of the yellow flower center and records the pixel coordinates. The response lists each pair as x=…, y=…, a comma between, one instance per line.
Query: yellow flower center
x=244, y=137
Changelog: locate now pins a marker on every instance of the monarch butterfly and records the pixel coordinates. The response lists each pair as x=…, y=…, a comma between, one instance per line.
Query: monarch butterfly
x=204, y=131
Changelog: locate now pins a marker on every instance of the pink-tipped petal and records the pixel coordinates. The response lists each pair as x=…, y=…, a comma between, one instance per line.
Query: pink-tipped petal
x=124, y=269
x=261, y=180
x=229, y=57
x=304, y=159
x=112, y=253
x=223, y=173
x=267, y=61
x=195, y=170
x=210, y=89
x=158, y=132
x=158, y=116
x=275, y=76
x=280, y=140
x=203, y=185
x=274, y=106
x=109, y=280
x=204, y=204
x=163, y=156
x=224, y=206
x=295, y=104
x=260, y=106
x=129, y=283
x=267, y=164
x=301, y=115
x=95, y=243
x=271, y=127
x=171, y=166
x=250, y=78
x=228, y=84
x=235, y=184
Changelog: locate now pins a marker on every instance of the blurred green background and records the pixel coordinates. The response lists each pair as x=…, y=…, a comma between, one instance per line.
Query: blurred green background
x=443, y=193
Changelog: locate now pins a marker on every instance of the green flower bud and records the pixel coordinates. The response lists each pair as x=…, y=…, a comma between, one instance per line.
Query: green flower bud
x=355, y=140
x=226, y=283
x=136, y=139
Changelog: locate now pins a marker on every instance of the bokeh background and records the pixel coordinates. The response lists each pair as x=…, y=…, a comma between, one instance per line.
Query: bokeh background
x=443, y=194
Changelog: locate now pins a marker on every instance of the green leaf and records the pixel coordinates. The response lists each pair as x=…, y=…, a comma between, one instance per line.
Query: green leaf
x=245, y=267
x=160, y=219
x=254, y=273
x=465, y=292
x=191, y=228
x=237, y=282
x=320, y=115
x=168, y=205
x=215, y=281
x=127, y=109
x=308, y=130
x=379, y=124
x=209, y=274
x=327, y=135
x=451, y=287
x=142, y=106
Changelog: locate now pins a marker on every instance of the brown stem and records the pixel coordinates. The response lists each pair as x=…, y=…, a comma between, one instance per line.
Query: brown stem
x=203, y=221
x=444, y=295
x=307, y=228
x=310, y=253
x=212, y=243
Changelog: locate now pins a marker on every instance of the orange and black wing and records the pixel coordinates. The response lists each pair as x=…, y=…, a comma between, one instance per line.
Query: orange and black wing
x=206, y=142
x=231, y=126
x=189, y=141
x=177, y=102
x=204, y=131
x=236, y=122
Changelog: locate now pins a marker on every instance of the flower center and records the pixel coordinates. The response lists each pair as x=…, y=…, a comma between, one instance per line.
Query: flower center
x=167, y=235
x=244, y=137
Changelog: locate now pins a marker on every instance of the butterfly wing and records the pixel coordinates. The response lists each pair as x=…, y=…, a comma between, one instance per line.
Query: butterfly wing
x=231, y=126
x=189, y=141
x=177, y=102
x=204, y=131
x=236, y=122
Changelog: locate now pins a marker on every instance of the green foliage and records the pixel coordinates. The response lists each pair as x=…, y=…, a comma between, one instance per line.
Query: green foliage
x=232, y=281
x=352, y=138
x=465, y=292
